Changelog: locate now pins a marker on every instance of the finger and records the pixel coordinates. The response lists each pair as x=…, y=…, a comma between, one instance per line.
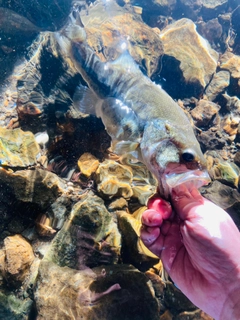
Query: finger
x=149, y=235
x=153, y=240
x=184, y=200
x=152, y=218
x=160, y=205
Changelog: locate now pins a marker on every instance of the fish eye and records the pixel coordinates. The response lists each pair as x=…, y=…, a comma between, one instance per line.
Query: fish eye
x=188, y=156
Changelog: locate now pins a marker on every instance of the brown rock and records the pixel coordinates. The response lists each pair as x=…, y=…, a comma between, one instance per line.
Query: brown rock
x=18, y=148
x=231, y=62
x=108, y=35
x=134, y=250
x=37, y=186
x=218, y=84
x=193, y=315
x=88, y=164
x=89, y=237
x=115, y=292
x=204, y=113
x=197, y=60
x=114, y=180
x=18, y=259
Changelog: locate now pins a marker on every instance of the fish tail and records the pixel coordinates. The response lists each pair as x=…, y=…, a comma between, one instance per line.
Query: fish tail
x=74, y=28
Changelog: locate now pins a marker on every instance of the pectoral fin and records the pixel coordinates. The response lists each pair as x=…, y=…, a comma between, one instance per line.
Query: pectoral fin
x=85, y=100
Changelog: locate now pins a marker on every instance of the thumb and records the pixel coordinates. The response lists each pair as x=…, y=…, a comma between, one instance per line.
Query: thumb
x=184, y=200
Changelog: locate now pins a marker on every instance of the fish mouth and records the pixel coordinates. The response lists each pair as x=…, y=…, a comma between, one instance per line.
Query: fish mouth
x=181, y=175
x=194, y=178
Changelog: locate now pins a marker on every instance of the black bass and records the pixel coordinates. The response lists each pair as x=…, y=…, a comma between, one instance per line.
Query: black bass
x=139, y=115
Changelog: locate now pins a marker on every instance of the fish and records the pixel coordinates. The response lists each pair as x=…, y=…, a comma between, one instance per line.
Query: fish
x=141, y=118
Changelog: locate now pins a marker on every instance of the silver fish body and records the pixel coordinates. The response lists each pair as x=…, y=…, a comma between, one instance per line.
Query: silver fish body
x=137, y=113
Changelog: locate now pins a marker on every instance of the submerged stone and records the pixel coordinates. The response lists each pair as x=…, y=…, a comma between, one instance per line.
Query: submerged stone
x=114, y=180
x=89, y=237
x=17, y=148
x=13, y=308
x=193, y=55
x=113, y=292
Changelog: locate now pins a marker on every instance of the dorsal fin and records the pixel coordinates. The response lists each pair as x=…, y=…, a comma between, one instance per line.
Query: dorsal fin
x=125, y=61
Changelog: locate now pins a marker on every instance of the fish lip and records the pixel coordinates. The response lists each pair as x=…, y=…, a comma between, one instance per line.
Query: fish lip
x=171, y=178
x=196, y=178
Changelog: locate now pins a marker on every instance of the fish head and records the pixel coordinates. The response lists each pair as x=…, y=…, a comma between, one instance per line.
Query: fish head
x=172, y=153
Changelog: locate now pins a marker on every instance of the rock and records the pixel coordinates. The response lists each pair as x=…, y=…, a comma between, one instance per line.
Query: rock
x=35, y=186
x=218, y=84
x=237, y=159
x=118, y=204
x=235, y=27
x=114, y=180
x=133, y=250
x=230, y=125
x=193, y=315
x=211, y=139
x=18, y=148
x=18, y=259
x=88, y=164
x=89, y=237
x=15, y=29
x=110, y=34
x=48, y=15
x=204, y=113
x=224, y=171
x=115, y=292
x=143, y=193
x=230, y=62
x=192, y=56
x=211, y=9
x=211, y=30
x=173, y=296
x=13, y=308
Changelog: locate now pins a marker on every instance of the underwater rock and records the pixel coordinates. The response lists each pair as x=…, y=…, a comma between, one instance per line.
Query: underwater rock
x=235, y=28
x=211, y=9
x=35, y=186
x=15, y=29
x=13, y=308
x=88, y=164
x=46, y=14
x=224, y=171
x=114, y=180
x=191, y=56
x=231, y=62
x=18, y=258
x=113, y=292
x=193, y=315
x=211, y=139
x=220, y=81
x=133, y=249
x=112, y=29
x=204, y=113
x=230, y=125
x=212, y=31
x=89, y=237
x=18, y=148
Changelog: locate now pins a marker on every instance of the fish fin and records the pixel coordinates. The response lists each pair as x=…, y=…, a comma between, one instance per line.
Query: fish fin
x=126, y=62
x=123, y=147
x=85, y=100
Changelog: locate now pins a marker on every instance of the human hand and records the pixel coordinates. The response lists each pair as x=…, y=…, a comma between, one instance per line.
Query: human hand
x=199, y=246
